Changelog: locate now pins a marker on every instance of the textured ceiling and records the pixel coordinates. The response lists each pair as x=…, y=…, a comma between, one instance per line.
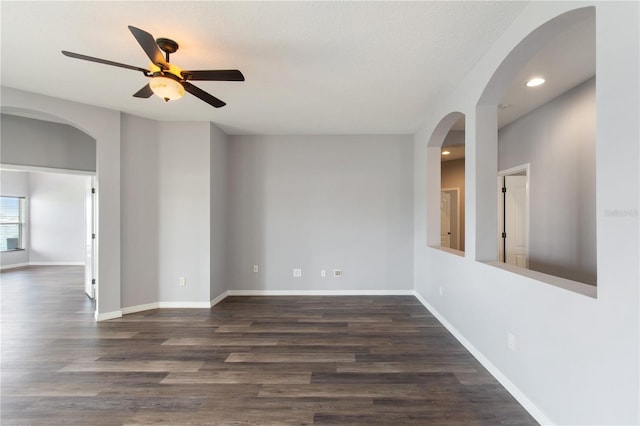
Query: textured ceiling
x=310, y=67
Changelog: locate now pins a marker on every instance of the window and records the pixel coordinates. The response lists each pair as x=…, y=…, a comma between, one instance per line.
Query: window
x=12, y=223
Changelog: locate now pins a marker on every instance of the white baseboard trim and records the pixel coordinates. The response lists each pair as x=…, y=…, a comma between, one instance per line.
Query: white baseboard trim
x=108, y=315
x=218, y=299
x=493, y=370
x=13, y=266
x=56, y=263
x=192, y=305
x=139, y=308
x=158, y=305
x=320, y=292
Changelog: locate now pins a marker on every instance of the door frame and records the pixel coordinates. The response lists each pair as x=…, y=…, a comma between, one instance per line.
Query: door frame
x=90, y=266
x=94, y=215
x=526, y=168
x=456, y=190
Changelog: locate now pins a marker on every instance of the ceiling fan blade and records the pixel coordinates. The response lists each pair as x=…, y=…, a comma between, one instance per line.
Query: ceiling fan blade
x=145, y=92
x=199, y=93
x=103, y=61
x=150, y=47
x=214, y=75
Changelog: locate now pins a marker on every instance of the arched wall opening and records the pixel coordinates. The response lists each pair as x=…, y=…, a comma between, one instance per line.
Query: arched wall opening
x=446, y=184
x=104, y=127
x=548, y=147
x=52, y=165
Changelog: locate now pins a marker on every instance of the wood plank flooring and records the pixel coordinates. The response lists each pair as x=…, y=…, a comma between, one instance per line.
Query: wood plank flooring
x=249, y=360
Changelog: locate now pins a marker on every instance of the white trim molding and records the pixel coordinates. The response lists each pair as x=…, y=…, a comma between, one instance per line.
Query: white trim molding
x=56, y=263
x=218, y=299
x=39, y=169
x=186, y=305
x=139, y=308
x=108, y=315
x=13, y=266
x=320, y=292
x=493, y=370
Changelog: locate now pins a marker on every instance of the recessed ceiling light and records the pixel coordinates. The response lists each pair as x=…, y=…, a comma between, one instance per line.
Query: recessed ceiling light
x=445, y=153
x=535, y=82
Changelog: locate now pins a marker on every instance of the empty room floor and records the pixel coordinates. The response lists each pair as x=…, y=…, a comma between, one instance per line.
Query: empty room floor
x=248, y=360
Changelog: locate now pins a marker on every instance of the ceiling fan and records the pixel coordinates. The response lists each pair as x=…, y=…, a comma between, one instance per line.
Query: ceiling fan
x=167, y=80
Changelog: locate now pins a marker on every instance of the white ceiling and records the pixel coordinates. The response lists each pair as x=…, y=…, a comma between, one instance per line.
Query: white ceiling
x=310, y=67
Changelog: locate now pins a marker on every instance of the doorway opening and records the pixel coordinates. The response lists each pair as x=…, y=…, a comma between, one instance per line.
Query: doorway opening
x=60, y=220
x=513, y=216
x=450, y=218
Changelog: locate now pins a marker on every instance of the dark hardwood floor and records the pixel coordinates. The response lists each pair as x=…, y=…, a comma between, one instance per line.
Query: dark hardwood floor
x=249, y=360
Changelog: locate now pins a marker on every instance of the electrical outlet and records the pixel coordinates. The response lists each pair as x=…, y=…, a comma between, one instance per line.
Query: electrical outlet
x=323, y=273
x=297, y=273
x=337, y=273
x=511, y=341
x=255, y=268
x=182, y=281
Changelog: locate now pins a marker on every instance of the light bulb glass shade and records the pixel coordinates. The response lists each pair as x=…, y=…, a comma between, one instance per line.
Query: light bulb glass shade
x=166, y=88
x=445, y=152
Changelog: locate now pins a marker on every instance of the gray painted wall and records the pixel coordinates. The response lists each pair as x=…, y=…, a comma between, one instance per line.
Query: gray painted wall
x=174, y=215
x=140, y=220
x=558, y=140
x=320, y=202
x=15, y=184
x=219, y=219
x=184, y=211
x=30, y=142
x=454, y=138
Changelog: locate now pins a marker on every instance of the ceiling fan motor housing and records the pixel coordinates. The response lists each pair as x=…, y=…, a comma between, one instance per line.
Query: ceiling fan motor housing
x=167, y=45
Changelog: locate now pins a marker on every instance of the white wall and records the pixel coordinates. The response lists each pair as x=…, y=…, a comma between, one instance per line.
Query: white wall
x=15, y=184
x=57, y=219
x=577, y=358
x=320, y=202
x=558, y=141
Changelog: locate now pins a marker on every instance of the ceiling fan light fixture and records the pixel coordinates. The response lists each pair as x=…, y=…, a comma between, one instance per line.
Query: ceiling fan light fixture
x=166, y=88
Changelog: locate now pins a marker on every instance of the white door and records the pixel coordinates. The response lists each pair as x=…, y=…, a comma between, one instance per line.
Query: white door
x=89, y=209
x=516, y=212
x=445, y=219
